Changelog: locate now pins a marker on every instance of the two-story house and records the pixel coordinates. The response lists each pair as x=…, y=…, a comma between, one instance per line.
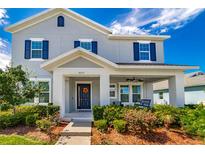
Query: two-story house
x=81, y=63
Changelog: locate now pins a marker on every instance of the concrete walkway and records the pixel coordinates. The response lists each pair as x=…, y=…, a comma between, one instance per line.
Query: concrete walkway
x=76, y=133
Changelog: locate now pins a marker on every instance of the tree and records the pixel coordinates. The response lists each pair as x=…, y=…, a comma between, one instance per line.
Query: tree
x=15, y=87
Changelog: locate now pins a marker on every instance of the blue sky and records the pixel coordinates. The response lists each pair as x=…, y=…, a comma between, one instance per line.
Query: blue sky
x=186, y=27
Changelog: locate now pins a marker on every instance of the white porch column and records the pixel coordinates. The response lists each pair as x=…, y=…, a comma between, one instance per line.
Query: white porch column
x=176, y=90
x=104, y=89
x=148, y=91
x=59, y=91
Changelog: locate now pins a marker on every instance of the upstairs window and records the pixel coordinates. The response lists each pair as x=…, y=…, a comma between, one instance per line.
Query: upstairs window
x=144, y=51
x=36, y=49
x=86, y=45
x=60, y=21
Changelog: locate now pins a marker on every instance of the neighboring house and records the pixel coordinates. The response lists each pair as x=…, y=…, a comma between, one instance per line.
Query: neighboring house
x=194, y=86
x=81, y=63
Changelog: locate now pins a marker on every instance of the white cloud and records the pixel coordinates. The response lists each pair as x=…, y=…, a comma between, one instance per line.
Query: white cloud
x=5, y=57
x=154, y=21
x=4, y=45
x=3, y=17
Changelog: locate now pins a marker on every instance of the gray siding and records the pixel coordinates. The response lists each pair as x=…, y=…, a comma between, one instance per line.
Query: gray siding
x=61, y=40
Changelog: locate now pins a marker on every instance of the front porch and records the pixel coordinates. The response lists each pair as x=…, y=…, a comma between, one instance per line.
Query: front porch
x=105, y=89
x=82, y=79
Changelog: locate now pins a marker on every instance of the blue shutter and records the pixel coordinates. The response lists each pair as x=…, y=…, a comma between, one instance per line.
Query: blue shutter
x=153, y=52
x=136, y=51
x=95, y=47
x=27, y=52
x=45, y=49
x=76, y=44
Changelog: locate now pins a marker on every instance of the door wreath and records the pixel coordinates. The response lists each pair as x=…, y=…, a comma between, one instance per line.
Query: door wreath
x=85, y=90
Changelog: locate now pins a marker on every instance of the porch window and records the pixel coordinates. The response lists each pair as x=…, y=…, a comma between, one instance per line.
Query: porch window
x=144, y=51
x=36, y=49
x=113, y=91
x=124, y=93
x=136, y=93
x=130, y=92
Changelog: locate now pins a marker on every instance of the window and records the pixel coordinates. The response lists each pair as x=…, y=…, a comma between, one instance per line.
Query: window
x=44, y=95
x=60, y=21
x=136, y=93
x=36, y=49
x=161, y=95
x=86, y=45
x=130, y=92
x=124, y=93
x=113, y=90
x=144, y=51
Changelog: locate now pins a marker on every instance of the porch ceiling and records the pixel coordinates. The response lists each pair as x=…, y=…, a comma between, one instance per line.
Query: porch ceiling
x=143, y=78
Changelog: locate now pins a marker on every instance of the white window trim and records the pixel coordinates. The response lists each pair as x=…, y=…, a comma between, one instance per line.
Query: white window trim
x=46, y=80
x=130, y=84
x=36, y=39
x=145, y=42
x=114, y=89
x=37, y=59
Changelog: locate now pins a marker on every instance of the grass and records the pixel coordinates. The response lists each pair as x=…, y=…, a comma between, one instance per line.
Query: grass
x=18, y=140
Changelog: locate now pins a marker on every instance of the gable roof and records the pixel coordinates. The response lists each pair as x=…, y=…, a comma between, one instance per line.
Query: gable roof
x=52, y=12
x=73, y=54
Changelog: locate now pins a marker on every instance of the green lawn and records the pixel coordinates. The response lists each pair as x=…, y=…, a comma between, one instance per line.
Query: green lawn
x=18, y=140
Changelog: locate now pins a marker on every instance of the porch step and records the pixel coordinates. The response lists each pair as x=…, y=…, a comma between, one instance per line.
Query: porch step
x=76, y=128
x=68, y=119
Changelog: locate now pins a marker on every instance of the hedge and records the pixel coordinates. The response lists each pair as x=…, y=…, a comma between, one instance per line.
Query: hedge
x=8, y=119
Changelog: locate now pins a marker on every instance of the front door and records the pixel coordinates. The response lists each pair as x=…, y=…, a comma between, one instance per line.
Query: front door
x=83, y=96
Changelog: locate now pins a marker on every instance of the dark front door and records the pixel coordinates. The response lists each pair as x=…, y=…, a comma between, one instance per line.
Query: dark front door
x=83, y=96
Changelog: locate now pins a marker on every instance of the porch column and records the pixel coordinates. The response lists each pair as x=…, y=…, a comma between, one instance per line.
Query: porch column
x=176, y=90
x=149, y=91
x=104, y=89
x=59, y=91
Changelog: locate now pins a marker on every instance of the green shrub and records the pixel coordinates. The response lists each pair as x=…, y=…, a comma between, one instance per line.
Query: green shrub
x=43, y=125
x=31, y=119
x=101, y=125
x=53, y=109
x=41, y=110
x=98, y=112
x=112, y=112
x=193, y=121
x=167, y=115
x=140, y=121
x=4, y=106
x=120, y=125
x=8, y=119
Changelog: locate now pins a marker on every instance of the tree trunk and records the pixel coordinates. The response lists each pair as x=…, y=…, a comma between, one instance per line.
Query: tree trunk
x=14, y=109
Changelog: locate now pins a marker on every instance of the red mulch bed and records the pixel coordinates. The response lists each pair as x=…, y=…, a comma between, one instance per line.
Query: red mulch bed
x=34, y=132
x=158, y=137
